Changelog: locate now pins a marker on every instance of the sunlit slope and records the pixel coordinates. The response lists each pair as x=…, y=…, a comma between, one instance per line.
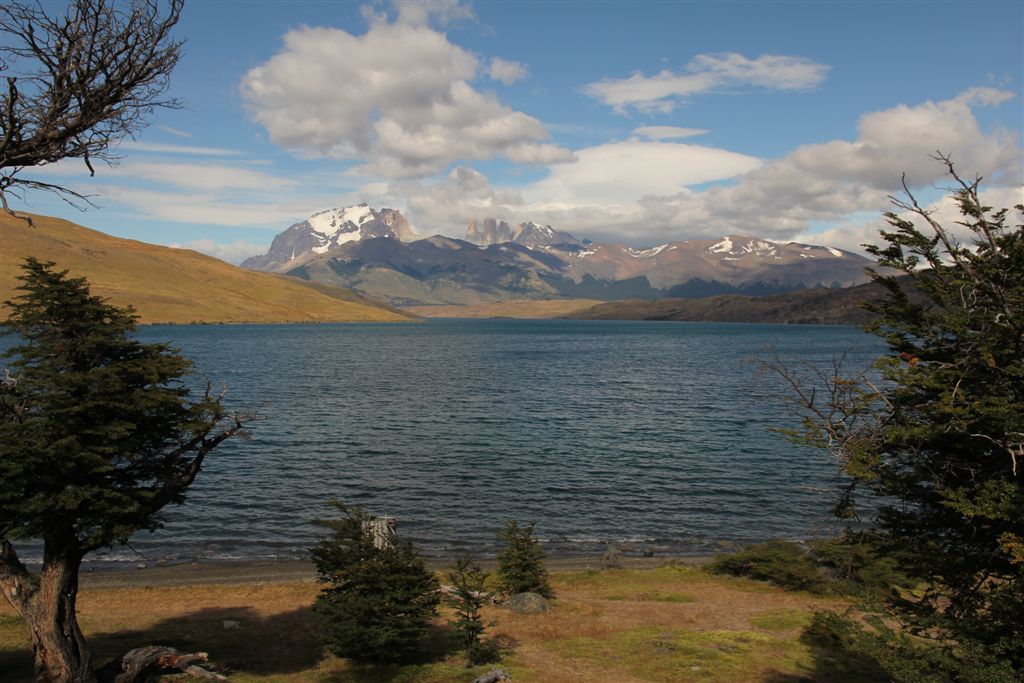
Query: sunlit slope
x=174, y=285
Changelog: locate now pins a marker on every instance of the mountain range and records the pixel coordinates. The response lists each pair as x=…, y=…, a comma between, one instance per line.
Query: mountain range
x=379, y=254
x=174, y=285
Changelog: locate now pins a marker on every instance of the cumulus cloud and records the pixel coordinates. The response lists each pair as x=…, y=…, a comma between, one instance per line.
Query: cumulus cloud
x=625, y=171
x=397, y=97
x=853, y=234
x=508, y=72
x=646, y=192
x=667, y=132
x=707, y=73
x=445, y=206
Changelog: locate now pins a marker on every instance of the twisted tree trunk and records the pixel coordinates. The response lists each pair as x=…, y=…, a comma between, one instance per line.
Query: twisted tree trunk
x=48, y=606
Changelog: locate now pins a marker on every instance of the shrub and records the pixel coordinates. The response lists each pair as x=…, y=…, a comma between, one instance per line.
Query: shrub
x=521, y=561
x=900, y=657
x=377, y=599
x=783, y=563
x=469, y=581
x=854, y=563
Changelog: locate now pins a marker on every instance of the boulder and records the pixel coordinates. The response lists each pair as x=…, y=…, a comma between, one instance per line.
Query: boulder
x=527, y=603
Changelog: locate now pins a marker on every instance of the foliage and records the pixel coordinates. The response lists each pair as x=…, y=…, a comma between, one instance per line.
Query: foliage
x=378, y=598
x=943, y=436
x=521, y=561
x=783, y=563
x=97, y=436
x=80, y=80
x=469, y=581
x=903, y=658
x=855, y=564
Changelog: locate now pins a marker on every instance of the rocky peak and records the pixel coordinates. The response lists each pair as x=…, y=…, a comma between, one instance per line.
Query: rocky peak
x=329, y=229
x=529, y=234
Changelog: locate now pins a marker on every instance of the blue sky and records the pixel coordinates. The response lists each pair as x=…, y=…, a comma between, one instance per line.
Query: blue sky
x=632, y=122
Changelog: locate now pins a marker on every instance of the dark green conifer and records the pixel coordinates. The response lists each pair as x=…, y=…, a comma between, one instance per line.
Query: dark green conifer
x=521, y=561
x=97, y=435
x=378, y=596
x=942, y=440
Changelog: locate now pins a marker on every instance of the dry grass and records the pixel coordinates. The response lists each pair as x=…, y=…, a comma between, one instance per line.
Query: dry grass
x=619, y=626
x=174, y=285
x=517, y=308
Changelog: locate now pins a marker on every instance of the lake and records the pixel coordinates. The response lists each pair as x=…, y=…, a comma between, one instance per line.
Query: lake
x=653, y=436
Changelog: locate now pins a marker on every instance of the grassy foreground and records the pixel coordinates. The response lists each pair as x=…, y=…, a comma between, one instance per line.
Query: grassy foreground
x=669, y=624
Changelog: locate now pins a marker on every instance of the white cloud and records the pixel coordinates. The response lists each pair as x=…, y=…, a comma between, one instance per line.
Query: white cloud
x=707, y=73
x=204, y=177
x=163, y=148
x=539, y=155
x=397, y=97
x=667, y=132
x=640, y=192
x=852, y=234
x=233, y=252
x=439, y=12
x=446, y=206
x=250, y=210
x=175, y=131
x=508, y=72
x=620, y=172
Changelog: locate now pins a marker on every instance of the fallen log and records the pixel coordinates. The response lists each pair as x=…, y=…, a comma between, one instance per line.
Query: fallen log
x=143, y=662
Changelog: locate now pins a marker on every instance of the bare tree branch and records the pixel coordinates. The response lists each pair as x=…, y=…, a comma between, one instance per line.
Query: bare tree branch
x=83, y=80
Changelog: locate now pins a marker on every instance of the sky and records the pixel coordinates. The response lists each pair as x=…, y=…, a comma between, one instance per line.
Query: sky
x=630, y=122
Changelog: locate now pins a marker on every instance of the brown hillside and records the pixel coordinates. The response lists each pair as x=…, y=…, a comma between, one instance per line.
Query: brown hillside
x=175, y=285
x=808, y=306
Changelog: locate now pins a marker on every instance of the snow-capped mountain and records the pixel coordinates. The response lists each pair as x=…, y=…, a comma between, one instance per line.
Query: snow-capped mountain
x=329, y=229
x=371, y=251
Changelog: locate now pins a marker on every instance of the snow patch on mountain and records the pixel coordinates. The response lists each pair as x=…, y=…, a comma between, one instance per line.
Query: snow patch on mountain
x=648, y=253
x=721, y=247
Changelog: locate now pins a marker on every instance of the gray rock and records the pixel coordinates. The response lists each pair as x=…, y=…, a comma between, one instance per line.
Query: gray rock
x=230, y=624
x=527, y=603
x=493, y=676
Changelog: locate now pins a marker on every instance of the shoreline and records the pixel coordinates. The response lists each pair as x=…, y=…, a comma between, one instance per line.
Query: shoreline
x=256, y=572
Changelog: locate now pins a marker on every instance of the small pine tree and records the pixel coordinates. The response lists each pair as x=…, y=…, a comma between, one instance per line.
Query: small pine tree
x=377, y=599
x=521, y=561
x=469, y=582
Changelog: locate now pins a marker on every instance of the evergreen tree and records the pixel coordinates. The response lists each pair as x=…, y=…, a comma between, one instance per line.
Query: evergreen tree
x=521, y=561
x=97, y=435
x=943, y=438
x=378, y=596
x=469, y=581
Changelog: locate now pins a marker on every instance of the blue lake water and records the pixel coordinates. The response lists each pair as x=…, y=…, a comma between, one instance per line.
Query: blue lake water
x=655, y=436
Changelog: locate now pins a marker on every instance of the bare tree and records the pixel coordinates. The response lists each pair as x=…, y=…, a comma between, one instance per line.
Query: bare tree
x=79, y=82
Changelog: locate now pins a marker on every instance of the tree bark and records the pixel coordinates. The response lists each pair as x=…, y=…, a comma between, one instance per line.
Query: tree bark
x=48, y=607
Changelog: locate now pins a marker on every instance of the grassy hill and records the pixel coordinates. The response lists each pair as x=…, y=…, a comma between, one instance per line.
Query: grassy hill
x=808, y=306
x=168, y=285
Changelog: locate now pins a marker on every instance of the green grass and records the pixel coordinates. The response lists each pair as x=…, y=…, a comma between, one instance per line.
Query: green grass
x=781, y=620
x=670, y=655
x=653, y=595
